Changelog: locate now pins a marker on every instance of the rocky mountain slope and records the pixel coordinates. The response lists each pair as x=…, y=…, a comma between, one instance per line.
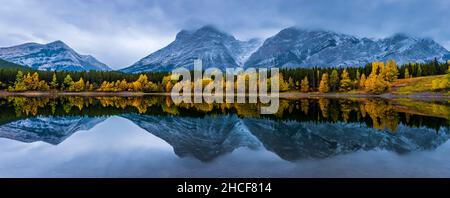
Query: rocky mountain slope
x=290, y=48
x=52, y=56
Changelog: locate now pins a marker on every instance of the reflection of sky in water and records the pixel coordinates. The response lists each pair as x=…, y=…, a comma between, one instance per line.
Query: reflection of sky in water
x=119, y=148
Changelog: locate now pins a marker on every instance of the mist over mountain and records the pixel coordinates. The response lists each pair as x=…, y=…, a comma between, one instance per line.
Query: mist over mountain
x=290, y=48
x=55, y=56
x=295, y=47
x=214, y=47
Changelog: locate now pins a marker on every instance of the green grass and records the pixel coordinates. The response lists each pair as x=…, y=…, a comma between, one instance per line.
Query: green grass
x=406, y=105
x=415, y=85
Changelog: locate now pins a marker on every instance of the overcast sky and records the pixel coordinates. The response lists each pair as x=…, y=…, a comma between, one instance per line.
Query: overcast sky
x=120, y=32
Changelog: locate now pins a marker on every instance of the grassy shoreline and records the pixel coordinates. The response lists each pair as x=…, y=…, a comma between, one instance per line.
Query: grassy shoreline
x=285, y=95
x=419, y=96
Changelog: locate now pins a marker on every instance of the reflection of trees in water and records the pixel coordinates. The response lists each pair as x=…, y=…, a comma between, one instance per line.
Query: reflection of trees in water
x=377, y=113
x=324, y=106
x=27, y=106
x=304, y=105
x=382, y=114
x=346, y=107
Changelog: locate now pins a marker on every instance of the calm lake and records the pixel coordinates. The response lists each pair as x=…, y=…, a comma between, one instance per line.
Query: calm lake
x=153, y=137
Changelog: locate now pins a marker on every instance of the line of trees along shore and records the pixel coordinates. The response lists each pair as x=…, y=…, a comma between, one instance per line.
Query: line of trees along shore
x=374, y=78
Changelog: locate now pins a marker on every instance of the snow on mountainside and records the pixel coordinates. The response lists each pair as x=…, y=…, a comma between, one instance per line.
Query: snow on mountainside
x=209, y=137
x=53, y=56
x=214, y=47
x=295, y=47
x=291, y=47
x=203, y=138
x=52, y=130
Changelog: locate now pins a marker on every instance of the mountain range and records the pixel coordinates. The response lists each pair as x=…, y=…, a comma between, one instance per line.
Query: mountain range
x=210, y=137
x=290, y=48
x=214, y=47
x=52, y=130
x=53, y=56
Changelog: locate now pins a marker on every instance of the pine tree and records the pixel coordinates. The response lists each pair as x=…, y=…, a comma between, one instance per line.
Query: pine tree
x=68, y=82
x=358, y=77
x=448, y=71
x=324, y=84
x=419, y=71
x=54, y=83
x=305, y=85
x=317, y=81
x=346, y=83
x=407, y=73
x=19, y=76
x=291, y=83
x=334, y=80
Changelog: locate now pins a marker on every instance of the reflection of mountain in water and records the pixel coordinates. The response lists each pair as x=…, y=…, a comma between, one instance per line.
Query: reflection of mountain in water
x=294, y=140
x=204, y=138
x=53, y=130
x=211, y=136
x=208, y=137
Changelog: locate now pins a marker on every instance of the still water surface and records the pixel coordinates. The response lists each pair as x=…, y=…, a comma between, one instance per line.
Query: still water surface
x=152, y=137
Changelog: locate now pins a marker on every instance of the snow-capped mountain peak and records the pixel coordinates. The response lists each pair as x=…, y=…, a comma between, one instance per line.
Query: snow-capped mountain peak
x=296, y=47
x=52, y=56
x=216, y=48
x=291, y=47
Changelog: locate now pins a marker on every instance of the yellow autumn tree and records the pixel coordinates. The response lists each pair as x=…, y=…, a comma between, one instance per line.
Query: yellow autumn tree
x=123, y=85
x=346, y=83
x=362, y=81
x=376, y=83
x=29, y=82
x=88, y=86
x=284, y=86
x=78, y=86
x=143, y=84
x=305, y=85
x=19, y=85
x=391, y=71
x=106, y=87
x=324, y=86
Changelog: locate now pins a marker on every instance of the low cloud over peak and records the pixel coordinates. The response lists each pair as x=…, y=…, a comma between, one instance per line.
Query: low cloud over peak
x=119, y=32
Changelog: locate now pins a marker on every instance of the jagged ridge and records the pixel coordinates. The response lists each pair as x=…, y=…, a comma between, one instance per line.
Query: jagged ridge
x=53, y=56
x=291, y=47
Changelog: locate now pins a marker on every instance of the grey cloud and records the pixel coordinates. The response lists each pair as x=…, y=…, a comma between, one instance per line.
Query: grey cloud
x=119, y=32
